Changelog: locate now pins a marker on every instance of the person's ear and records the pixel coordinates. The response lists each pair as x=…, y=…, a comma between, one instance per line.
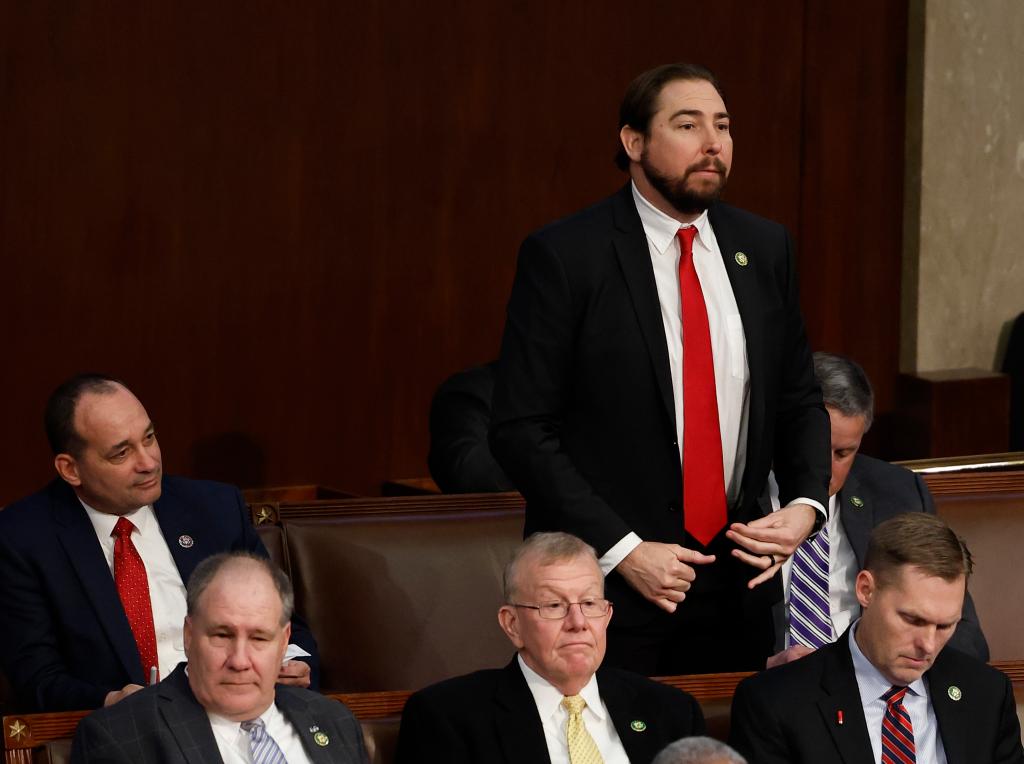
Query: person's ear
x=67, y=468
x=508, y=619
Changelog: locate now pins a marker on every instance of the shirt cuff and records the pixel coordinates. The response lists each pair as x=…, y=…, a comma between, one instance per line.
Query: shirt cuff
x=619, y=552
x=811, y=502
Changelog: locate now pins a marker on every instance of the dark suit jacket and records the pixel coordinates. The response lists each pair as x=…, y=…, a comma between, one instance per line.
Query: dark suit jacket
x=584, y=418
x=460, y=457
x=65, y=640
x=490, y=716
x=788, y=715
x=165, y=723
x=886, y=490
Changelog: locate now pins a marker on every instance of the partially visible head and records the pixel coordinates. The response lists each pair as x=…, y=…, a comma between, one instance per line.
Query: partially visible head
x=556, y=568
x=698, y=750
x=912, y=592
x=674, y=136
x=236, y=632
x=104, y=444
x=851, y=409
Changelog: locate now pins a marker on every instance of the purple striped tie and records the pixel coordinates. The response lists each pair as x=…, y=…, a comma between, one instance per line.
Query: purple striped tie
x=810, y=621
x=897, y=730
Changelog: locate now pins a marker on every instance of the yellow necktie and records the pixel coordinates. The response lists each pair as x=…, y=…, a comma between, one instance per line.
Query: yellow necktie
x=582, y=748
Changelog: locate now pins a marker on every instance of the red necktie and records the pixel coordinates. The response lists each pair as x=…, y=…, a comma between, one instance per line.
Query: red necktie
x=133, y=589
x=703, y=476
x=897, y=729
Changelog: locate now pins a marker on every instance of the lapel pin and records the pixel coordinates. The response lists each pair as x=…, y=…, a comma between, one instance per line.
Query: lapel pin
x=741, y=259
x=637, y=726
x=954, y=692
x=185, y=541
x=839, y=717
x=857, y=501
x=321, y=739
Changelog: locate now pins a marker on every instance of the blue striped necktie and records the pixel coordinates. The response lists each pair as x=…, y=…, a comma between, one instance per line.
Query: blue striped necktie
x=263, y=748
x=810, y=619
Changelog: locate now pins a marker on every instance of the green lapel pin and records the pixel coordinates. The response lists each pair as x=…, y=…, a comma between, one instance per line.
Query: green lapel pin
x=637, y=726
x=857, y=501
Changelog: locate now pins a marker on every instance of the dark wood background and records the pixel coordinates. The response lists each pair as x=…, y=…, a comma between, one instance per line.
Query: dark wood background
x=284, y=224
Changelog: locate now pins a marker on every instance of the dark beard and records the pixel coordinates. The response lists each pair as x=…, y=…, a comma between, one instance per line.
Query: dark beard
x=676, y=191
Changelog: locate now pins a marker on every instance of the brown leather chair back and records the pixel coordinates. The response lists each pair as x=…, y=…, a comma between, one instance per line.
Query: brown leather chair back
x=993, y=526
x=272, y=537
x=403, y=600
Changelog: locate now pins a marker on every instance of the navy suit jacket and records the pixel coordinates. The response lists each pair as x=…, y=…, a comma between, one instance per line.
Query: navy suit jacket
x=490, y=716
x=65, y=639
x=790, y=714
x=165, y=723
x=584, y=417
x=882, y=491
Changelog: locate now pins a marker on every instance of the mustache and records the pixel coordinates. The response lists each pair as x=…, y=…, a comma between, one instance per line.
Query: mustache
x=711, y=163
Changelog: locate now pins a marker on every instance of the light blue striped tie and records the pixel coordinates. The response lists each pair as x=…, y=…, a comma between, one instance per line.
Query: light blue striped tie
x=810, y=621
x=263, y=748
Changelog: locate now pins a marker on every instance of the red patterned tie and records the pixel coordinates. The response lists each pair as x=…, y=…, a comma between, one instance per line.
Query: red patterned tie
x=133, y=589
x=703, y=475
x=897, y=730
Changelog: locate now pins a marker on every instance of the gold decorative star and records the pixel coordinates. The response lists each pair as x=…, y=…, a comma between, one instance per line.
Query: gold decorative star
x=18, y=730
x=265, y=515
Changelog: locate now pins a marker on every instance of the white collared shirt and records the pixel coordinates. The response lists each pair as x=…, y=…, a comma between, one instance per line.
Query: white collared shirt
x=842, y=568
x=166, y=590
x=872, y=686
x=554, y=717
x=233, y=741
x=728, y=345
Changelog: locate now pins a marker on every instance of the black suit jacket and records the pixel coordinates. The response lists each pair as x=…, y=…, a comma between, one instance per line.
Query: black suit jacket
x=789, y=715
x=66, y=641
x=490, y=716
x=882, y=491
x=584, y=418
x=165, y=723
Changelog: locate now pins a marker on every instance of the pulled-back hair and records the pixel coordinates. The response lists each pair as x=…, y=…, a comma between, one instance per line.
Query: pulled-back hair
x=845, y=386
x=640, y=102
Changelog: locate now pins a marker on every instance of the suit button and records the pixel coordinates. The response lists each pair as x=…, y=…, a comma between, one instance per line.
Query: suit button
x=673, y=507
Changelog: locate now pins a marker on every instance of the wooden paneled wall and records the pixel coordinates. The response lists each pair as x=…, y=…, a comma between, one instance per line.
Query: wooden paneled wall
x=285, y=224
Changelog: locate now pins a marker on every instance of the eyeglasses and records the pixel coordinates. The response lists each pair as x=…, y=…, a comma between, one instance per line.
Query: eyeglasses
x=556, y=611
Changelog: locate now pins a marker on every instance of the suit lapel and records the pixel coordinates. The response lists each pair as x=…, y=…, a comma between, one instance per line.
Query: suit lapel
x=182, y=529
x=745, y=289
x=307, y=725
x=620, y=698
x=630, y=244
x=517, y=722
x=857, y=520
x=78, y=537
x=951, y=716
x=186, y=720
x=842, y=698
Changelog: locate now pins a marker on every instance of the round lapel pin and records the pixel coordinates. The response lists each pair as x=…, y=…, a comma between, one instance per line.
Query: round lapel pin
x=857, y=501
x=741, y=259
x=321, y=739
x=954, y=692
x=185, y=541
x=637, y=726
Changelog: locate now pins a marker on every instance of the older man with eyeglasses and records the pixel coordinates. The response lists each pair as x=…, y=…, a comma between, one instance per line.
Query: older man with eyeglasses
x=553, y=702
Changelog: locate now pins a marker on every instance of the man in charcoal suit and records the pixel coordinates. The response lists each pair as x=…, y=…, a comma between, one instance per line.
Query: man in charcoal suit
x=223, y=705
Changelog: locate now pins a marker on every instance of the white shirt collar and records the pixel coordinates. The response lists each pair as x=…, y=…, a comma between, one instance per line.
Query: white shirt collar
x=549, y=698
x=104, y=522
x=872, y=684
x=661, y=228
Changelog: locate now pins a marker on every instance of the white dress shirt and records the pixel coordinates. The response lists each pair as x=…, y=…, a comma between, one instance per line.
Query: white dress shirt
x=233, y=741
x=842, y=568
x=554, y=717
x=872, y=686
x=166, y=590
x=728, y=345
